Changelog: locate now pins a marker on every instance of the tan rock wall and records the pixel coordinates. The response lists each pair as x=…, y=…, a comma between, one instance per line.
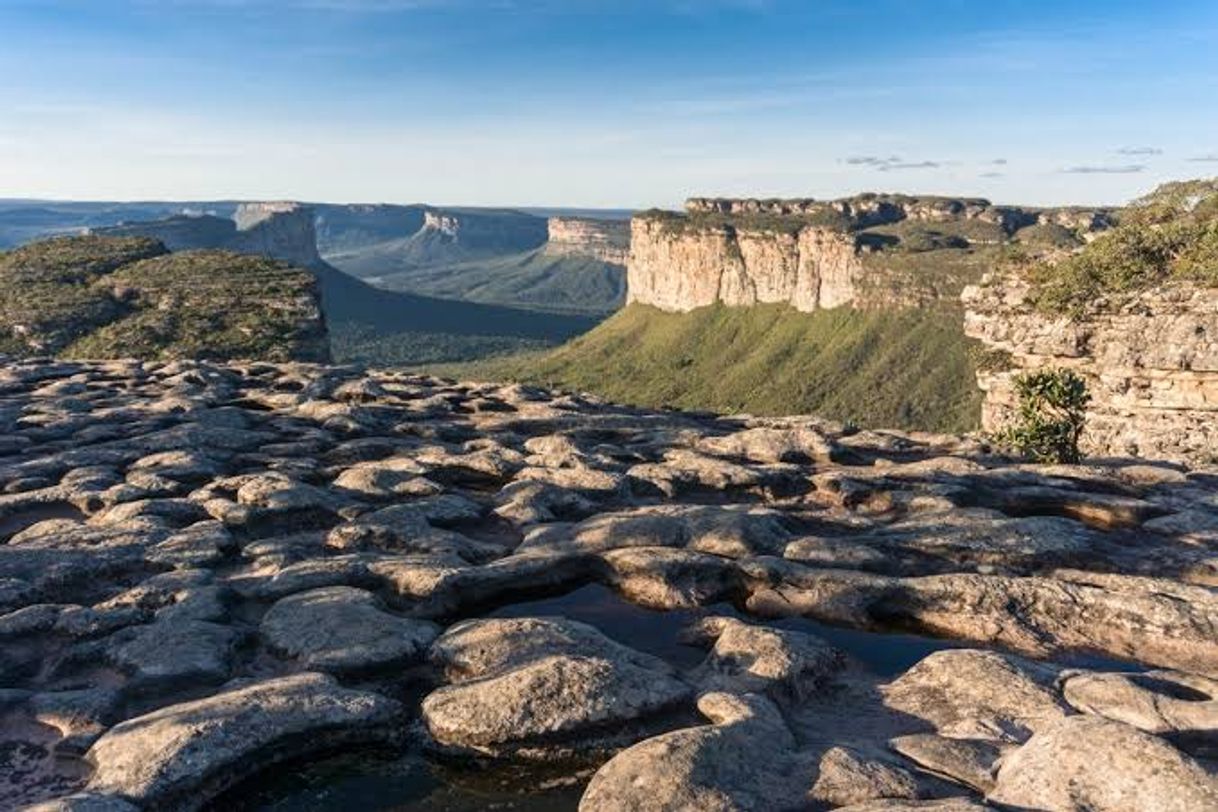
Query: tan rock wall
x=679, y=269
x=1151, y=364
x=606, y=240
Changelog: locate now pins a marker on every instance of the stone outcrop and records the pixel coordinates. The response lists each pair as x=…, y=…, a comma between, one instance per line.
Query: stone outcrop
x=281, y=230
x=1151, y=363
x=686, y=268
x=605, y=240
x=485, y=230
x=210, y=569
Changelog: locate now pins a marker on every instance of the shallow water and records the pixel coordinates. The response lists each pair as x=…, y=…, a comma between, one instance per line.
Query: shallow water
x=14, y=523
x=411, y=783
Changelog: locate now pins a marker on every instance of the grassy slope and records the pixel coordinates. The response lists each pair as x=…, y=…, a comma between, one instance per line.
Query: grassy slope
x=530, y=279
x=907, y=369
x=386, y=327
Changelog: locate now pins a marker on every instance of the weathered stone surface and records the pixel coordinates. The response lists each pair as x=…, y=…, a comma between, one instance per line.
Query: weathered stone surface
x=180, y=756
x=1088, y=764
x=172, y=654
x=977, y=693
x=341, y=629
x=534, y=686
x=1151, y=365
x=742, y=761
x=849, y=777
x=786, y=665
x=327, y=485
x=1163, y=702
x=972, y=762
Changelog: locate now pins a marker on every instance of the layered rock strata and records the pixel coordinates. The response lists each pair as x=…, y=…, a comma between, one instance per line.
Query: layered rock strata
x=1151, y=362
x=680, y=270
x=605, y=240
x=207, y=570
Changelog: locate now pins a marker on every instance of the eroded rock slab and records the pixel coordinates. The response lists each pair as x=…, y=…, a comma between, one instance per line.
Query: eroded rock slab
x=180, y=756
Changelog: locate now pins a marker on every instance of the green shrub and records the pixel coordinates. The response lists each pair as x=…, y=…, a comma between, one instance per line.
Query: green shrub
x=1052, y=414
x=1171, y=234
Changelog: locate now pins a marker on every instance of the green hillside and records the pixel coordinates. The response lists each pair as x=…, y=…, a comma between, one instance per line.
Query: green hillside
x=115, y=297
x=538, y=278
x=909, y=369
x=375, y=326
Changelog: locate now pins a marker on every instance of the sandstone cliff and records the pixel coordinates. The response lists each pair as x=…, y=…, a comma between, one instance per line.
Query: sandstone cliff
x=868, y=252
x=680, y=269
x=604, y=240
x=1151, y=364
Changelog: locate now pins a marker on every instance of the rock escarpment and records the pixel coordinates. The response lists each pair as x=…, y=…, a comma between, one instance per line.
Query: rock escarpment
x=680, y=270
x=1151, y=363
x=281, y=230
x=870, y=251
x=208, y=569
x=604, y=240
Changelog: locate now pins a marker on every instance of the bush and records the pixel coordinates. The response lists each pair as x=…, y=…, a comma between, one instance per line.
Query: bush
x=1052, y=413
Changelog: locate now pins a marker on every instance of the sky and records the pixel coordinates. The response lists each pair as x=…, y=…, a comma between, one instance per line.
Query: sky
x=604, y=103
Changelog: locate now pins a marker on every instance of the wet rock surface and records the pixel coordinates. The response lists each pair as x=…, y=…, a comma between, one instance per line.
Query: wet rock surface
x=207, y=570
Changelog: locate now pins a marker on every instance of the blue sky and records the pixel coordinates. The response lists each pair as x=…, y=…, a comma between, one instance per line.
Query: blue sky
x=596, y=103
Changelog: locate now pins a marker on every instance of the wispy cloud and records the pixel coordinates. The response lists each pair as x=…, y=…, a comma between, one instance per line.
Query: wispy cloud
x=1205, y=159
x=992, y=175
x=910, y=165
x=1129, y=169
x=1139, y=151
x=891, y=164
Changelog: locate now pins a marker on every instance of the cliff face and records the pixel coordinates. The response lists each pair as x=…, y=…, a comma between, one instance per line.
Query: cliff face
x=868, y=252
x=485, y=231
x=679, y=270
x=280, y=230
x=604, y=240
x=1151, y=364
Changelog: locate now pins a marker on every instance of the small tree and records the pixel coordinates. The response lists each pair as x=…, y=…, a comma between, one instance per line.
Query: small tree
x=1052, y=413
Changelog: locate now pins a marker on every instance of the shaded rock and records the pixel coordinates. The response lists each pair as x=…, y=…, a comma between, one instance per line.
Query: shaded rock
x=972, y=762
x=1088, y=764
x=536, y=687
x=982, y=694
x=743, y=761
x=1172, y=703
x=787, y=665
x=169, y=655
x=341, y=629
x=82, y=802
x=181, y=756
x=661, y=578
x=847, y=776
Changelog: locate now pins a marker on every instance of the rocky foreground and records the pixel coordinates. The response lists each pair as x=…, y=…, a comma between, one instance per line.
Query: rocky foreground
x=208, y=570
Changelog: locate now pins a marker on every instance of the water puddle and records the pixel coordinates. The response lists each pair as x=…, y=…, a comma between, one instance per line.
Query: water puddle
x=13, y=524
x=383, y=782
x=410, y=782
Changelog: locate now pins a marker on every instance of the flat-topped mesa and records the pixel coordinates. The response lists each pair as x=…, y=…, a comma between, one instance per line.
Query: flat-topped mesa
x=871, y=251
x=866, y=210
x=1151, y=365
x=679, y=268
x=605, y=240
x=486, y=229
x=282, y=230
